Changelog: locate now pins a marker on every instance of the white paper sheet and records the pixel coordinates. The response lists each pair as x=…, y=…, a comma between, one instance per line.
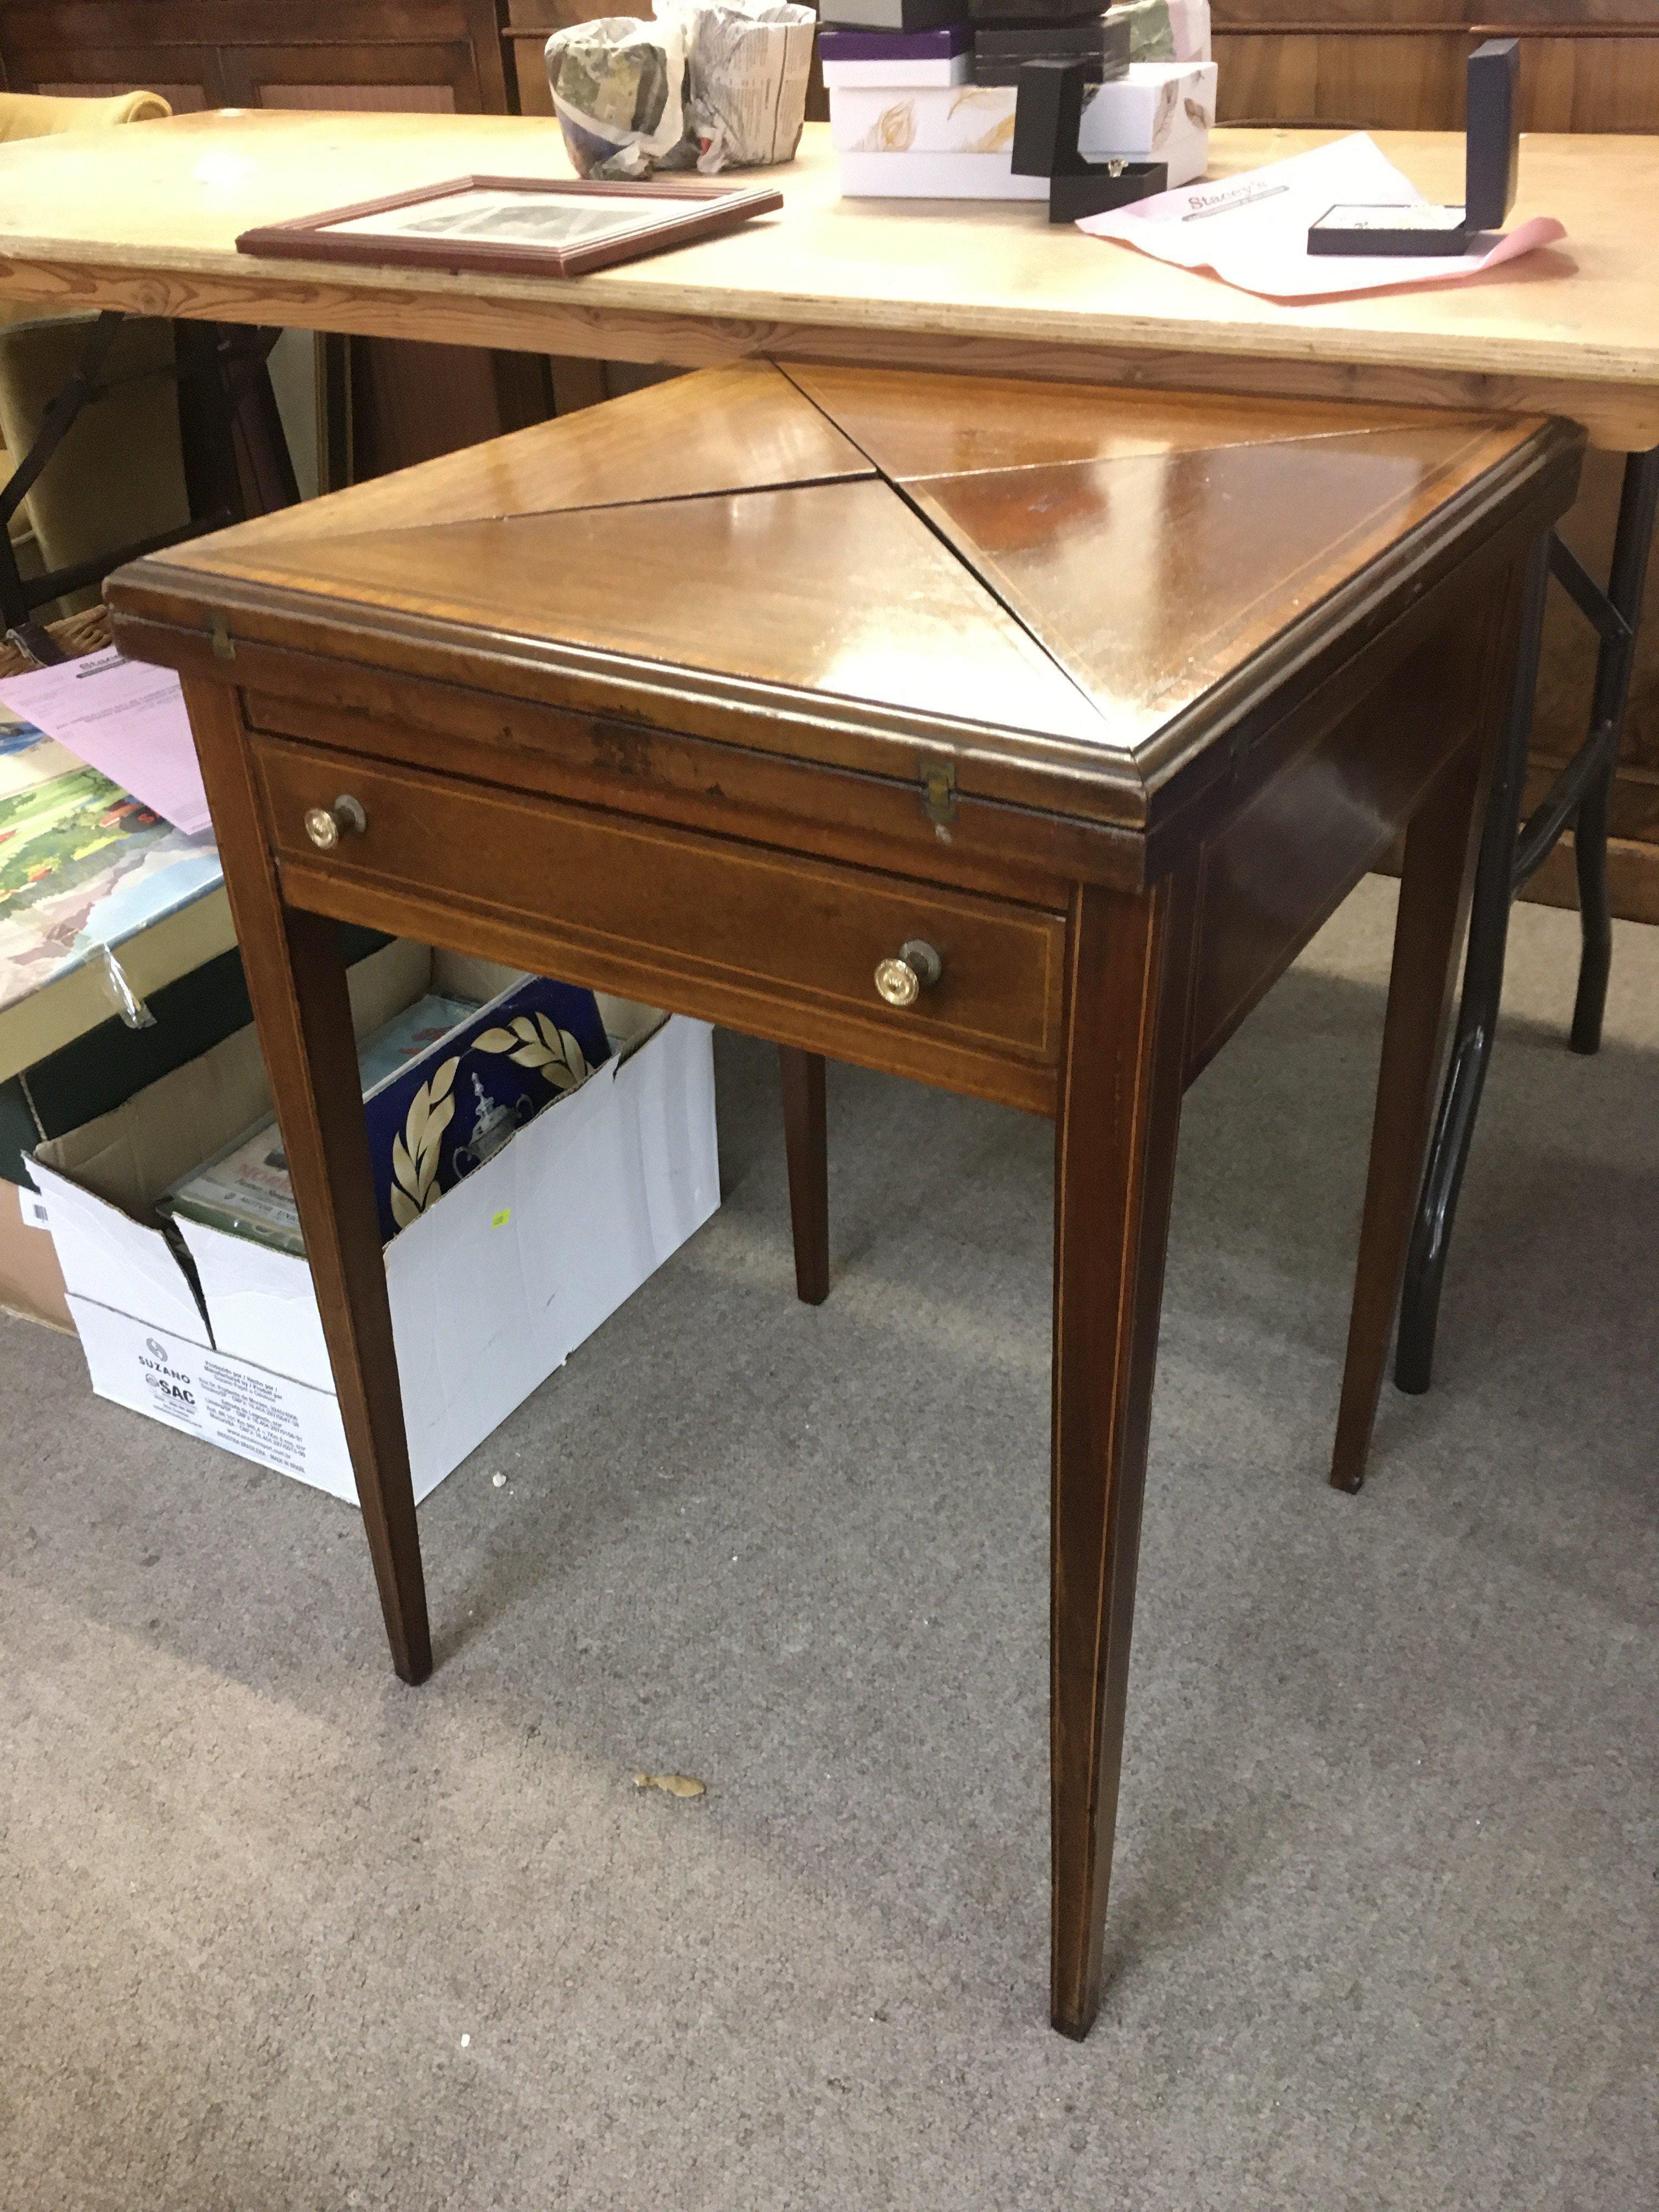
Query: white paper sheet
x=1252, y=230
x=125, y=720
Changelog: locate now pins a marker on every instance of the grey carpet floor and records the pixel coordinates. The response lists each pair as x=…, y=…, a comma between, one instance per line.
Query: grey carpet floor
x=278, y=1933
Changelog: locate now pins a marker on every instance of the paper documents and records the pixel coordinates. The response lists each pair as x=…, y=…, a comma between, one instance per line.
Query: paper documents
x=1252, y=230
x=125, y=720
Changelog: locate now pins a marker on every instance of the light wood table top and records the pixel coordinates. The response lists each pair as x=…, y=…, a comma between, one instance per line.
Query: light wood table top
x=146, y=218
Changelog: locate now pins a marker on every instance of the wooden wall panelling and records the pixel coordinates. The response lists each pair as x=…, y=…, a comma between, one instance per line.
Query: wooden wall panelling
x=1388, y=80
x=430, y=80
x=1336, y=15
x=126, y=74
x=529, y=23
x=1324, y=61
x=188, y=78
x=1590, y=81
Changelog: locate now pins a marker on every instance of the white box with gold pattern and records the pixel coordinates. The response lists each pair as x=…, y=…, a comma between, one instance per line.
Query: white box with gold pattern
x=1159, y=111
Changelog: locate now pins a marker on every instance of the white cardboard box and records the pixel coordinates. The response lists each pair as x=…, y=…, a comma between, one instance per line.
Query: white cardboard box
x=957, y=142
x=888, y=120
x=491, y=1290
x=1159, y=111
x=936, y=177
x=945, y=69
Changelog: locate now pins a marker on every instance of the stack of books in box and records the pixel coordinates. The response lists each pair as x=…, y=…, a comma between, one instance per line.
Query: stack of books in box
x=922, y=92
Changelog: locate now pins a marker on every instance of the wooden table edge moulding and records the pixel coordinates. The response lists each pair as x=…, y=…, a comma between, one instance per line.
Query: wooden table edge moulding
x=735, y=796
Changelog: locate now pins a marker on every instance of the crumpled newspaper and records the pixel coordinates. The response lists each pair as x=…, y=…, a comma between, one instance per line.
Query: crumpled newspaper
x=618, y=86
x=719, y=83
x=746, y=66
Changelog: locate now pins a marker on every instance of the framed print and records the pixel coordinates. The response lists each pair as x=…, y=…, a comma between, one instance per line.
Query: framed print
x=524, y=226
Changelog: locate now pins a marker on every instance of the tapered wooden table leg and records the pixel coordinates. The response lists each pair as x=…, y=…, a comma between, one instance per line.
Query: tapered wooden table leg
x=1119, y=1110
x=809, y=1170
x=296, y=980
x=1435, y=883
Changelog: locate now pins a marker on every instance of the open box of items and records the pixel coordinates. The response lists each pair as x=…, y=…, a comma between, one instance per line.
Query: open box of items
x=537, y=1150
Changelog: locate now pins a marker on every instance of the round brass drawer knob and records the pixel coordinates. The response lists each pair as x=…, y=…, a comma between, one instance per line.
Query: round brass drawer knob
x=326, y=825
x=902, y=981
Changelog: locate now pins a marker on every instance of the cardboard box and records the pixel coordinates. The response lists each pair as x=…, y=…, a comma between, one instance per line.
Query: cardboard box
x=1159, y=30
x=936, y=177
x=929, y=69
x=968, y=118
x=491, y=1289
x=31, y=1280
x=1158, y=112
x=902, y=16
x=1100, y=42
x=955, y=142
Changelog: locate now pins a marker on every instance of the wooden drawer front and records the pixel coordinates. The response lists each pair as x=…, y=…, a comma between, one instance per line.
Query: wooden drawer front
x=775, y=929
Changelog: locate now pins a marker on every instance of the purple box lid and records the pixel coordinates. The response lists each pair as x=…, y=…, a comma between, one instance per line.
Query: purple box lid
x=894, y=46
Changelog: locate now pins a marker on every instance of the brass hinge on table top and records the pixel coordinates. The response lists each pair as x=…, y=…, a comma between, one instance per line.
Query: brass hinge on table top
x=223, y=646
x=938, y=791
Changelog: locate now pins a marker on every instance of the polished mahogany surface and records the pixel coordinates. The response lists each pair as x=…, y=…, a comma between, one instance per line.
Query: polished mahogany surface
x=1040, y=573
x=909, y=428
x=839, y=590
x=1010, y=739
x=1150, y=577
x=737, y=429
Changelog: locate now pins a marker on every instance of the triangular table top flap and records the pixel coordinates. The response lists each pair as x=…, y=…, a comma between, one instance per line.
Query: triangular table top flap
x=734, y=428
x=839, y=590
x=1049, y=620
x=1150, y=579
x=912, y=424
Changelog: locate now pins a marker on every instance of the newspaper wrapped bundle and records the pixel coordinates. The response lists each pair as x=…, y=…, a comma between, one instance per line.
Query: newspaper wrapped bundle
x=617, y=91
x=746, y=66
x=718, y=84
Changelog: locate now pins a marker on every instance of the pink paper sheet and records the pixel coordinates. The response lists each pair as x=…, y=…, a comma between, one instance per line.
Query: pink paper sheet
x=1252, y=230
x=125, y=720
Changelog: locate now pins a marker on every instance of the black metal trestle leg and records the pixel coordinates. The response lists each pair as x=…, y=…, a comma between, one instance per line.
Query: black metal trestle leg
x=1590, y=855
x=1477, y=1011
x=1509, y=856
x=1615, y=665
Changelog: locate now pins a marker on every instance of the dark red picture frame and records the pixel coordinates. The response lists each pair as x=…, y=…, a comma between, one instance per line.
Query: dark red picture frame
x=709, y=209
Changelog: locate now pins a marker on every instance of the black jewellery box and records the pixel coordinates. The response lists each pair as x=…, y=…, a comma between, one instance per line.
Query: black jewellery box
x=1492, y=155
x=1048, y=116
x=1099, y=42
x=1001, y=13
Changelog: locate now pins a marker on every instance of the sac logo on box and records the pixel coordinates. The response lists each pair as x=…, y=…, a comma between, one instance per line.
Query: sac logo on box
x=167, y=1382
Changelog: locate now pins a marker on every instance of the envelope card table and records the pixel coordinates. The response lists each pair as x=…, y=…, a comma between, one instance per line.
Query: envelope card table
x=1011, y=737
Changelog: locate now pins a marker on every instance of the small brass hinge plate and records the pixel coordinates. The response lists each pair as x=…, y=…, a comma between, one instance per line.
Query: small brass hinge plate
x=223, y=646
x=938, y=791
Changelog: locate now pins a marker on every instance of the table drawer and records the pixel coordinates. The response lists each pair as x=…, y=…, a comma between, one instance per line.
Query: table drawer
x=760, y=928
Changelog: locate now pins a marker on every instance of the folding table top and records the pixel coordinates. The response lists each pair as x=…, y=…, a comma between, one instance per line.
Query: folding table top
x=1031, y=575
